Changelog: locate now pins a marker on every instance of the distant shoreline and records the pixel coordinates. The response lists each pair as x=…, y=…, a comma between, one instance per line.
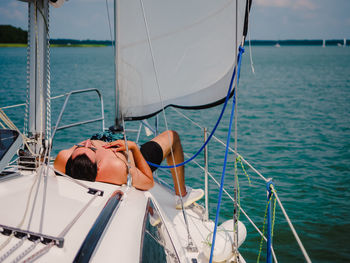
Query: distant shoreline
x=11, y=36
x=96, y=43
x=54, y=45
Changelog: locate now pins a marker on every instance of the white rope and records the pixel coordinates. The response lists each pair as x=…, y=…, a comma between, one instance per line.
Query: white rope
x=75, y=219
x=26, y=112
x=68, y=177
x=3, y=245
x=250, y=45
x=129, y=178
x=59, y=96
x=13, y=249
x=48, y=72
x=45, y=171
x=220, y=141
x=307, y=258
x=62, y=234
x=13, y=106
x=26, y=252
x=35, y=197
x=39, y=71
x=40, y=253
x=41, y=174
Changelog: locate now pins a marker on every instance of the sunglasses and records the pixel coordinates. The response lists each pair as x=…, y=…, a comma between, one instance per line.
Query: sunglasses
x=83, y=146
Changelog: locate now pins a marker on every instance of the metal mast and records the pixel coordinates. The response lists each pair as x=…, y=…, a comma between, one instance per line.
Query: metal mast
x=118, y=116
x=38, y=75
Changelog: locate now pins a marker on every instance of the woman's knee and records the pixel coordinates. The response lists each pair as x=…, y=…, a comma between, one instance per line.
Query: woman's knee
x=175, y=136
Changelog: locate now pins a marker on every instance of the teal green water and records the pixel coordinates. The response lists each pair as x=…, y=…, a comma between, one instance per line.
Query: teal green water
x=293, y=126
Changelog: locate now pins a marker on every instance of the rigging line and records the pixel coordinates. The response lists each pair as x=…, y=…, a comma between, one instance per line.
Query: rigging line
x=26, y=113
x=2, y=125
x=261, y=241
x=40, y=72
x=36, y=194
x=168, y=251
x=44, y=194
x=68, y=177
x=24, y=215
x=223, y=177
x=40, y=253
x=240, y=208
x=37, y=62
x=13, y=106
x=303, y=250
x=236, y=185
x=109, y=24
x=158, y=88
x=13, y=249
x=62, y=234
x=12, y=162
x=26, y=252
x=250, y=45
x=58, y=96
x=241, y=49
x=129, y=179
x=75, y=219
x=48, y=77
x=190, y=243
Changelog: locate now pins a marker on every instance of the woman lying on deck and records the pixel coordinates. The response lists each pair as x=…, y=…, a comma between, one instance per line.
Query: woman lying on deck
x=96, y=160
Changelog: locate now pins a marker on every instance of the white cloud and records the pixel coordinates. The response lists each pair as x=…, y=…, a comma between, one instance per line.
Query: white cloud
x=13, y=11
x=294, y=4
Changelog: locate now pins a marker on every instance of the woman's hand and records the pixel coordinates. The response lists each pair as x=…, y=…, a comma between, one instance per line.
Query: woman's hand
x=119, y=145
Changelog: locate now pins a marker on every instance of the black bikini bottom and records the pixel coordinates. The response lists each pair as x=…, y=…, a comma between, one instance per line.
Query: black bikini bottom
x=152, y=152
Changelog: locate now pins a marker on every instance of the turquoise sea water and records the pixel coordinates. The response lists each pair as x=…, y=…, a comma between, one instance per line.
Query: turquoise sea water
x=293, y=126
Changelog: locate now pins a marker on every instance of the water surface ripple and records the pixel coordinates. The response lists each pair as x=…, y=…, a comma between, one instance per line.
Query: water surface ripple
x=294, y=126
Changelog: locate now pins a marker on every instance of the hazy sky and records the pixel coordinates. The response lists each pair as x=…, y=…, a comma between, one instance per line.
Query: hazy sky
x=270, y=19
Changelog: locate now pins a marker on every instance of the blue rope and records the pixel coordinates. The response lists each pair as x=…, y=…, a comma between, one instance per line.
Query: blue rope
x=224, y=166
x=223, y=177
x=241, y=51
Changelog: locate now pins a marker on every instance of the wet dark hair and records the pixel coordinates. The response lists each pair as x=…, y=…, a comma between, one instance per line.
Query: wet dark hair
x=81, y=168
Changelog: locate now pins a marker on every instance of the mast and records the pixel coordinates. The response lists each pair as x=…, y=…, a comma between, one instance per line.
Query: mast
x=38, y=72
x=118, y=117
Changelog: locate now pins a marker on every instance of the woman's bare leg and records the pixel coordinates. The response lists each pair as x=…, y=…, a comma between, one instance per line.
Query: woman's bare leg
x=170, y=140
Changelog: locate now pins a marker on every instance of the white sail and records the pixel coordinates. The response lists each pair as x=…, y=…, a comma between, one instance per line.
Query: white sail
x=192, y=49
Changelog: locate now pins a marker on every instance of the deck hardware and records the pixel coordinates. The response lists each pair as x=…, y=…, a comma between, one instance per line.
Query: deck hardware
x=93, y=191
x=32, y=236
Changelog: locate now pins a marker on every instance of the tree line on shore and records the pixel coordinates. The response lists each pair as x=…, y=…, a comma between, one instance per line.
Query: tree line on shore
x=15, y=35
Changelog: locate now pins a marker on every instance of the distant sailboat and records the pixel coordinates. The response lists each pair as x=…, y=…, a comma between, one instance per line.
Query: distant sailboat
x=277, y=45
x=344, y=42
x=324, y=43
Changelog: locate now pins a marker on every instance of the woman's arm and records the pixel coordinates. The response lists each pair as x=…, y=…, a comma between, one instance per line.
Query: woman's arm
x=141, y=172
